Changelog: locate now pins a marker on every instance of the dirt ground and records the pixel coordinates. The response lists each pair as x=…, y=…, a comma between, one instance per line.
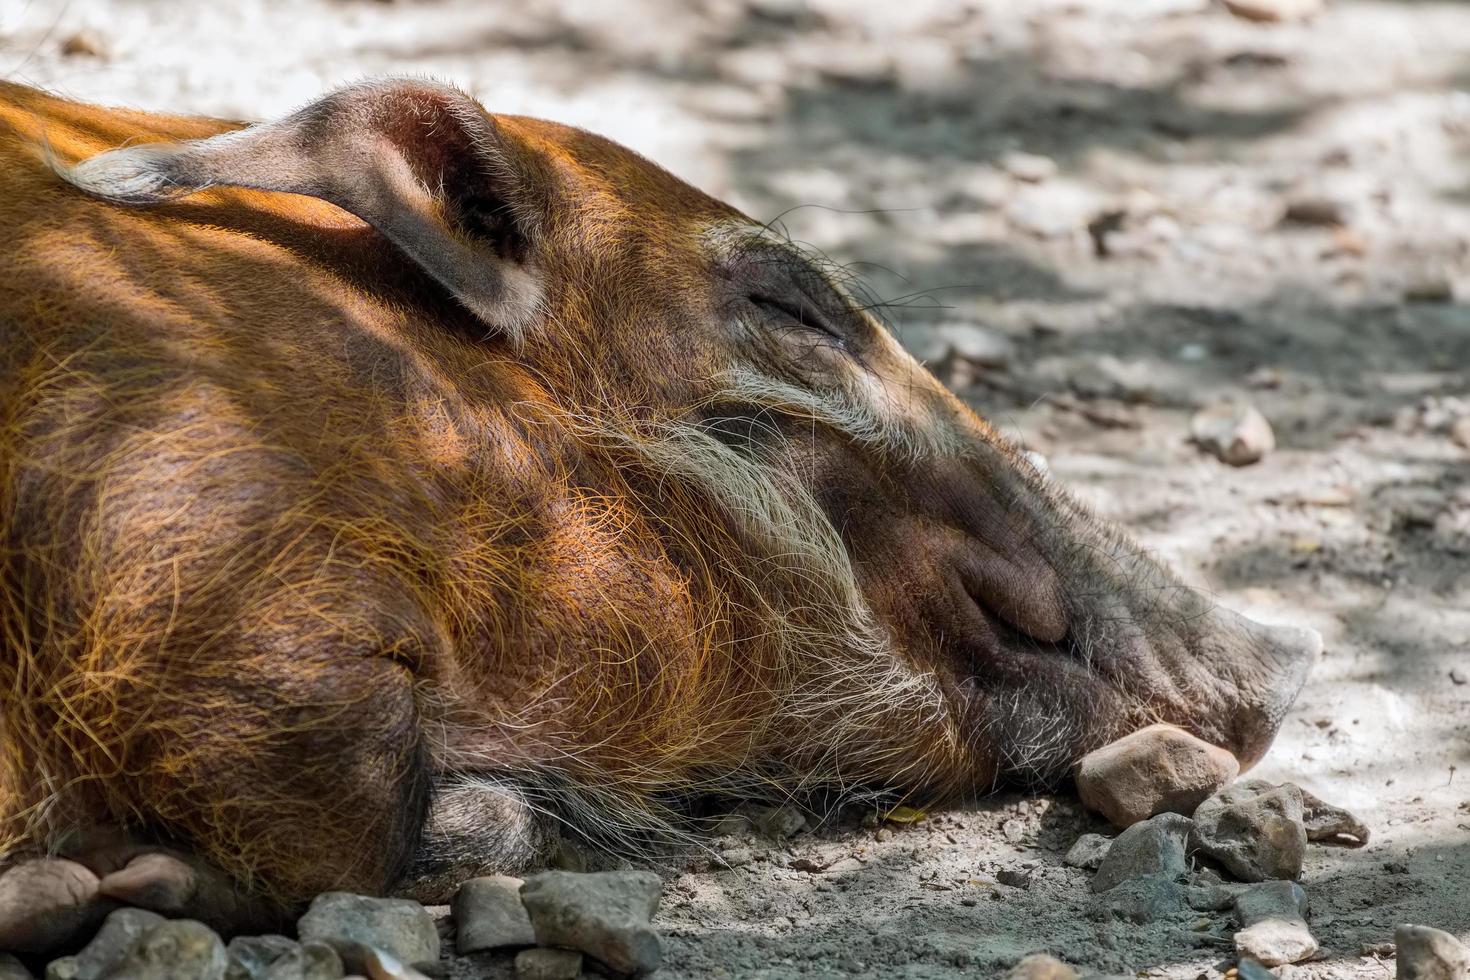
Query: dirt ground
x=907, y=135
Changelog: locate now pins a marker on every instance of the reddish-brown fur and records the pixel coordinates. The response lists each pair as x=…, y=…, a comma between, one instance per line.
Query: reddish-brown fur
x=287, y=535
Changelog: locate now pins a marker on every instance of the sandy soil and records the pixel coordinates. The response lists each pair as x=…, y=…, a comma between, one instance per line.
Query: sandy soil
x=889, y=133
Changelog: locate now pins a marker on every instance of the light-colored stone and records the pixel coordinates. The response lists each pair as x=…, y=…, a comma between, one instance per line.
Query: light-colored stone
x=1149, y=847
x=606, y=915
x=1273, y=919
x=488, y=914
x=119, y=932
x=172, y=950
x=1274, y=11
x=399, y=927
x=46, y=904
x=1032, y=168
x=1040, y=966
x=1154, y=770
x=1422, y=953
x=1254, y=829
x=548, y=964
x=1234, y=433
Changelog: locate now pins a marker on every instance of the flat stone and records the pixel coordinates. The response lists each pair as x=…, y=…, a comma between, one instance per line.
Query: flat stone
x=1254, y=829
x=548, y=964
x=1088, y=852
x=606, y=915
x=1154, y=770
x=1040, y=966
x=1330, y=824
x=1149, y=847
x=1274, y=926
x=1234, y=433
x=1423, y=953
x=488, y=914
x=172, y=950
x=120, y=930
x=400, y=927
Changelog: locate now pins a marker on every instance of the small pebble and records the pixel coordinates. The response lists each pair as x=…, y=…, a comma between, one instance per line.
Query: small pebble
x=1314, y=211
x=84, y=44
x=488, y=914
x=1429, y=954
x=1457, y=675
x=1033, y=168
x=1430, y=290
x=1274, y=11
x=1040, y=966
x=548, y=964
x=1088, y=852
x=607, y=915
x=1235, y=434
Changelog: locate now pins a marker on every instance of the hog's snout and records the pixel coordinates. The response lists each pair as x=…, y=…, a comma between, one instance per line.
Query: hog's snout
x=1274, y=664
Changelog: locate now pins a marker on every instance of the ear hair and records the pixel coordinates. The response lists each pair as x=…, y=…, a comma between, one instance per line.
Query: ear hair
x=422, y=163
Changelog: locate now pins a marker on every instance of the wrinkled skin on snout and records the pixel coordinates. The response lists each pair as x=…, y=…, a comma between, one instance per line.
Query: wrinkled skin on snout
x=391, y=487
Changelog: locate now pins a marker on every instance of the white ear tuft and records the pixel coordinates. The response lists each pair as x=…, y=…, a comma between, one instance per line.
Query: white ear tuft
x=145, y=174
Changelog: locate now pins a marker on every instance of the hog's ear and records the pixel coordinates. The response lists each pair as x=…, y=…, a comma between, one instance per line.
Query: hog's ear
x=422, y=163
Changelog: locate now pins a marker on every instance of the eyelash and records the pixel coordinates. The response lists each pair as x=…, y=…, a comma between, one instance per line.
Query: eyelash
x=799, y=315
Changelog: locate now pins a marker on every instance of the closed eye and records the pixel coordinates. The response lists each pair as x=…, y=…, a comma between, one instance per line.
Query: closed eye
x=797, y=314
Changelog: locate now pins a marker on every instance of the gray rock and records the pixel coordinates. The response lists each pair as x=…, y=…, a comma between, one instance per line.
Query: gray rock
x=1088, y=852
x=1233, y=433
x=181, y=949
x=1145, y=899
x=1254, y=829
x=119, y=932
x=488, y=914
x=1429, y=954
x=548, y=964
x=308, y=961
x=1150, y=847
x=1330, y=824
x=606, y=915
x=1273, y=917
x=251, y=956
x=397, y=926
x=13, y=969
x=1157, y=769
